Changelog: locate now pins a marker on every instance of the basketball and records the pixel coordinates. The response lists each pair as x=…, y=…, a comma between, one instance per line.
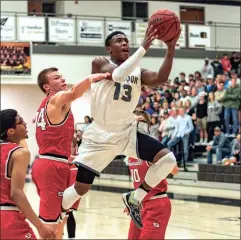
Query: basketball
x=167, y=24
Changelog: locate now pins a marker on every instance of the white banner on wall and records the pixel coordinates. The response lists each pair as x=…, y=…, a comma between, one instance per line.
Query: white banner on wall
x=31, y=29
x=140, y=34
x=122, y=26
x=61, y=30
x=8, y=28
x=90, y=31
x=182, y=39
x=199, y=36
x=140, y=31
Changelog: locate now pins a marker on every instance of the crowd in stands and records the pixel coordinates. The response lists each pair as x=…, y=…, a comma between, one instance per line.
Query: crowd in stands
x=199, y=109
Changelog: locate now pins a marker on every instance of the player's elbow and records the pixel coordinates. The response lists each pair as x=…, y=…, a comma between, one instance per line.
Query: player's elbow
x=15, y=193
x=175, y=170
x=117, y=75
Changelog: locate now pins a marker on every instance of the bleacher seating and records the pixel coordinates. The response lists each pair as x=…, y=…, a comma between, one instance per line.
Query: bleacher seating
x=219, y=173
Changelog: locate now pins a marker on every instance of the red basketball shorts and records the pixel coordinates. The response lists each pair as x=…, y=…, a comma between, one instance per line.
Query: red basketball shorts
x=14, y=226
x=51, y=179
x=72, y=178
x=155, y=216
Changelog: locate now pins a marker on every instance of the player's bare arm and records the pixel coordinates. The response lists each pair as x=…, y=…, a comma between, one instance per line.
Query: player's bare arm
x=60, y=103
x=150, y=78
x=125, y=68
x=18, y=166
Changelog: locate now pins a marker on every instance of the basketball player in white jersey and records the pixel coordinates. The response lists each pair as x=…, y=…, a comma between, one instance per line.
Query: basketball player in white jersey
x=114, y=130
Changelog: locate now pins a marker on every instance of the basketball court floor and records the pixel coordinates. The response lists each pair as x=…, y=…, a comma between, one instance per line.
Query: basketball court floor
x=100, y=216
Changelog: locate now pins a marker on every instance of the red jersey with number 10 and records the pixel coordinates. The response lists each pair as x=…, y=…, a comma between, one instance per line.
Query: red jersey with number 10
x=53, y=138
x=138, y=169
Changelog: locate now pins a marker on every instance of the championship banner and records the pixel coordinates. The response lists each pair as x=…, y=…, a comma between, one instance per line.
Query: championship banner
x=182, y=39
x=90, y=31
x=61, y=30
x=140, y=34
x=8, y=28
x=31, y=29
x=17, y=59
x=123, y=26
x=199, y=36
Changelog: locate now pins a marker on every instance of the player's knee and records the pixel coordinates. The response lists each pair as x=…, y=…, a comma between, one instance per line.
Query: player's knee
x=84, y=180
x=168, y=159
x=82, y=188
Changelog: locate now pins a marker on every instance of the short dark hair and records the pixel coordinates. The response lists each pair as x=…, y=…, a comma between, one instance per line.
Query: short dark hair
x=8, y=120
x=110, y=36
x=42, y=77
x=182, y=73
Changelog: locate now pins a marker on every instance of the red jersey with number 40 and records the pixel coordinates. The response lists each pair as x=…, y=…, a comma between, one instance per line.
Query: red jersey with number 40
x=7, y=149
x=138, y=170
x=53, y=138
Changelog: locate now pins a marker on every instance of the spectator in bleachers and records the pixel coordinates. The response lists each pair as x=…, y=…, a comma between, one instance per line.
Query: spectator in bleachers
x=183, y=128
x=156, y=107
x=202, y=118
x=179, y=104
x=165, y=107
x=197, y=75
x=235, y=62
x=231, y=104
x=190, y=111
x=226, y=64
x=154, y=126
x=194, y=98
x=184, y=96
x=235, y=152
x=207, y=69
x=220, y=146
x=225, y=80
x=147, y=106
x=213, y=119
x=217, y=66
x=87, y=122
x=166, y=128
x=234, y=75
x=182, y=77
x=219, y=96
x=191, y=83
x=210, y=87
x=199, y=86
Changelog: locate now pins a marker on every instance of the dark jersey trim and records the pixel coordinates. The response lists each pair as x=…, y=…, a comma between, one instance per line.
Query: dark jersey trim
x=8, y=159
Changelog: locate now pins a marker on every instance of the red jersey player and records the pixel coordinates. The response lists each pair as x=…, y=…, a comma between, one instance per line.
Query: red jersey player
x=15, y=207
x=156, y=206
x=54, y=133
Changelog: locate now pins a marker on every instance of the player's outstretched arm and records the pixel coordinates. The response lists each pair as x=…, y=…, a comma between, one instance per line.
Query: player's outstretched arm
x=64, y=97
x=120, y=73
x=20, y=160
x=152, y=79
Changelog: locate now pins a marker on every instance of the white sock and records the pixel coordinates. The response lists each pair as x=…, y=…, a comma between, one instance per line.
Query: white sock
x=139, y=194
x=70, y=196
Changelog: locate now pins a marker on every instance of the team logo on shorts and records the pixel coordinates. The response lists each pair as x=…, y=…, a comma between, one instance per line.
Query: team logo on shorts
x=60, y=194
x=28, y=235
x=156, y=225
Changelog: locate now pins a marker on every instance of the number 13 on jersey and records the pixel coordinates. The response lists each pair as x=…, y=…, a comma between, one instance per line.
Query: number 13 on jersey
x=126, y=96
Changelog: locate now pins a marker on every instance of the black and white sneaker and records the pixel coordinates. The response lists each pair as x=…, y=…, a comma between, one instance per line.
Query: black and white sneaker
x=133, y=207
